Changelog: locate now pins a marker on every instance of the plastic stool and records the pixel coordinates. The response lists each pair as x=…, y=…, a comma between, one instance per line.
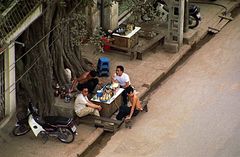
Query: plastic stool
x=103, y=73
x=103, y=66
x=103, y=62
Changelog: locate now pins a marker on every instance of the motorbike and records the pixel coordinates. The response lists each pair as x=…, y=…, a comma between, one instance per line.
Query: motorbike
x=62, y=128
x=161, y=11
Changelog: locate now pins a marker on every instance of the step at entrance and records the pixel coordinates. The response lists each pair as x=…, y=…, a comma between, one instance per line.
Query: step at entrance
x=217, y=27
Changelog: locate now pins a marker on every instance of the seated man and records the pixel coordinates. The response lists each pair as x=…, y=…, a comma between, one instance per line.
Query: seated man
x=86, y=79
x=134, y=107
x=123, y=79
x=83, y=106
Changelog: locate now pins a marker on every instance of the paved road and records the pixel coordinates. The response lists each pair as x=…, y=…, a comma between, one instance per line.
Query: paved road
x=196, y=112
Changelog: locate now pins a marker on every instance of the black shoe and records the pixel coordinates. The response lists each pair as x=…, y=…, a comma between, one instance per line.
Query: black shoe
x=98, y=126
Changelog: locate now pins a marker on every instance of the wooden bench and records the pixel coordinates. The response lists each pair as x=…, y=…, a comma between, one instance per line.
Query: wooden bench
x=158, y=39
x=107, y=124
x=128, y=123
x=128, y=51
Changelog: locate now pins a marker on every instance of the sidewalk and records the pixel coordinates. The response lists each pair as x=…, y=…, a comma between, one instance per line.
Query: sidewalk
x=144, y=74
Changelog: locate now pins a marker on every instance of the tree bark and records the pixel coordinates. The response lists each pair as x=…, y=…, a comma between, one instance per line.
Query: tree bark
x=46, y=62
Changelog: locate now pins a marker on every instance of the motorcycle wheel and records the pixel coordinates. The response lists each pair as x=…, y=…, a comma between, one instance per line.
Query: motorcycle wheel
x=193, y=22
x=65, y=135
x=21, y=130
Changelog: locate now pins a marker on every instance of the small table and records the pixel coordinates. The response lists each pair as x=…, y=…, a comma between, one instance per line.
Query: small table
x=110, y=106
x=128, y=41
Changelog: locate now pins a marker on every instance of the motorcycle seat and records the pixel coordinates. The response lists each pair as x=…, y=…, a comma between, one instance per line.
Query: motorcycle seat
x=192, y=9
x=56, y=120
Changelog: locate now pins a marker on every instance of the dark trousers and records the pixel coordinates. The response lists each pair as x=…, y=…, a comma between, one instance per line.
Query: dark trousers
x=124, y=111
x=124, y=97
x=91, y=84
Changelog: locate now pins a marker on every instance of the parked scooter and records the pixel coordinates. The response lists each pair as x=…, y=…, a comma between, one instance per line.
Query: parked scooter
x=161, y=11
x=55, y=126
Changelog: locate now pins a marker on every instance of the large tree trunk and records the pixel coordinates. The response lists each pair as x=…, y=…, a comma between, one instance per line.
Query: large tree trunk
x=47, y=60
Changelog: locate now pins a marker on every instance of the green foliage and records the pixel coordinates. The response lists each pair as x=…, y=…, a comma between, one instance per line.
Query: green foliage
x=83, y=3
x=138, y=8
x=86, y=2
x=78, y=32
x=96, y=39
x=125, y=5
x=2, y=7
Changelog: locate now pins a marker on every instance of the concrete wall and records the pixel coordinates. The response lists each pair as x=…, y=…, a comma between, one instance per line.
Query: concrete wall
x=10, y=93
x=92, y=17
x=110, y=20
x=111, y=17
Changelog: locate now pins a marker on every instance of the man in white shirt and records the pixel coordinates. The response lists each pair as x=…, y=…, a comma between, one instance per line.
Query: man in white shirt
x=123, y=80
x=83, y=106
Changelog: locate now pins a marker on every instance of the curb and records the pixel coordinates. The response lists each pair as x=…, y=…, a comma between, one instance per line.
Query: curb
x=85, y=144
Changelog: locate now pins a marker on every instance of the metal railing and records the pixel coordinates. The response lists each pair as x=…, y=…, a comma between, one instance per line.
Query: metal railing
x=16, y=14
